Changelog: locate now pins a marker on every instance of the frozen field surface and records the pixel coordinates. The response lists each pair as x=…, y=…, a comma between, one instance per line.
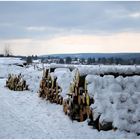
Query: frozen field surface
x=24, y=115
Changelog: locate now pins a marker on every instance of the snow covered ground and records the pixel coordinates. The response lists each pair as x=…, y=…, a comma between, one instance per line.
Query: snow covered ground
x=24, y=115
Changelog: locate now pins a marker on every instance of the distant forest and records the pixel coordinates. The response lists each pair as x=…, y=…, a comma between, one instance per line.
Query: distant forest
x=92, y=60
x=76, y=60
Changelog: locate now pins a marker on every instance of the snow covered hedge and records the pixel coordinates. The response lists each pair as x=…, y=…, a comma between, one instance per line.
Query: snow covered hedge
x=116, y=101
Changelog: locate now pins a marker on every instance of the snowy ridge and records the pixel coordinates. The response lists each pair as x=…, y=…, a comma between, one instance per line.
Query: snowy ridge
x=105, y=69
x=100, y=69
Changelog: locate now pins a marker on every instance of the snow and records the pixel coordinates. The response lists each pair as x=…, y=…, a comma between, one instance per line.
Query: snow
x=64, y=75
x=64, y=78
x=99, y=69
x=31, y=75
x=102, y=69
x=24, y=115
x=116, y=100
x=53, y=65
x=10, y=60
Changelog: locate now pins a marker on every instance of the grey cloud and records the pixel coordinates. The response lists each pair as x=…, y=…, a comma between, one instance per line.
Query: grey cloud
x=62, y=17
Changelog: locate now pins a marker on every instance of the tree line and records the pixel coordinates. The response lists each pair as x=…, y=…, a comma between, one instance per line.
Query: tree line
x=93, y=61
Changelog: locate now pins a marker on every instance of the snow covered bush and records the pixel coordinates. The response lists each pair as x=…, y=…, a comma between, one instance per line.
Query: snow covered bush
x=116, y=101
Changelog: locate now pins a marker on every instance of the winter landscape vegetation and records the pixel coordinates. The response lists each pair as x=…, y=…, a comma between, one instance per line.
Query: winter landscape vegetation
x=67, y=72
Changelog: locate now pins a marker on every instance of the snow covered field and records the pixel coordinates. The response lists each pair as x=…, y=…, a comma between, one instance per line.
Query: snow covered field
x=24, y=115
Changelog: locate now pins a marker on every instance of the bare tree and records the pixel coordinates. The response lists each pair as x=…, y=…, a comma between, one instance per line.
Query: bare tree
x=7, y=50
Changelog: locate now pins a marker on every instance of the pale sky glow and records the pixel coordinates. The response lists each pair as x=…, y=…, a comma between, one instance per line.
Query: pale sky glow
x=120, y=42
x=70, y=27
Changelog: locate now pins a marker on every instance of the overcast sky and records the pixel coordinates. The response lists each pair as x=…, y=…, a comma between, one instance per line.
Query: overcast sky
x=69, y=27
